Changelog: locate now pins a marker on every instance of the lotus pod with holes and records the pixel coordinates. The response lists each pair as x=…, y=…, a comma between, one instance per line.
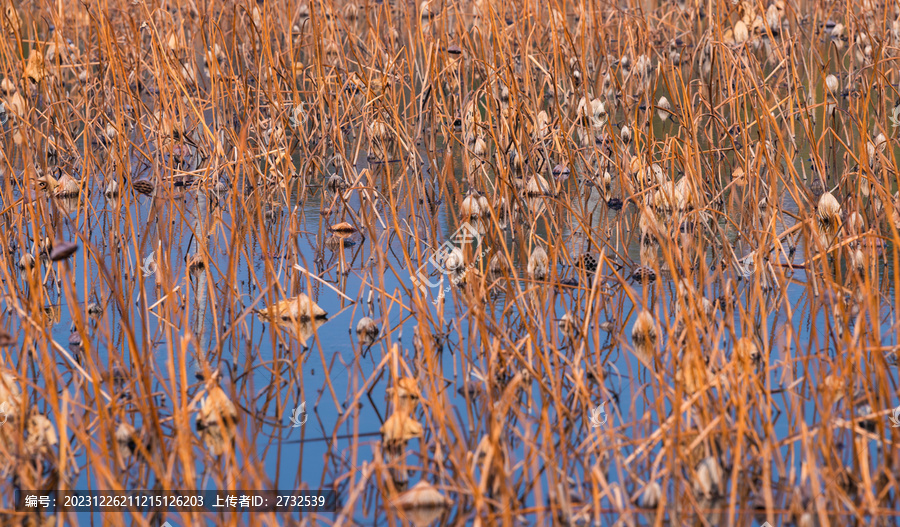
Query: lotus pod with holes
x=144, y=186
